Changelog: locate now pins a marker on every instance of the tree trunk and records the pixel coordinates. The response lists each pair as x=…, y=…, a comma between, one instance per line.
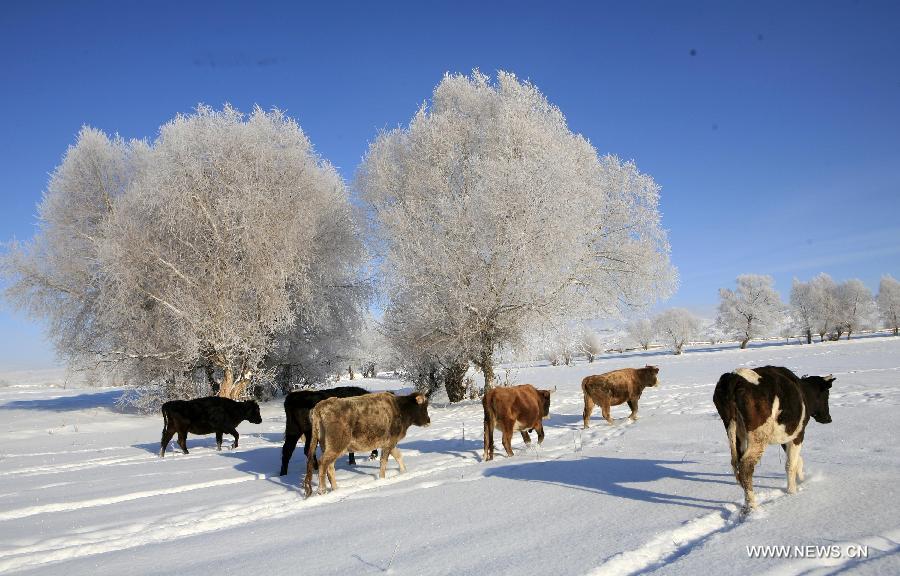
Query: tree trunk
x=809, y=336
x=226, y=388
x=211, y=379
x=848, y=334
x=487, y=368
x=350, y=370
x=744, y=343
x=896, y=331
x=454, y=381
x=590, y=358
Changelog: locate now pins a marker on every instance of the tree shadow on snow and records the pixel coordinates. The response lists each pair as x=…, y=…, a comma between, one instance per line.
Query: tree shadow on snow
x=616, y=477
x=105, y=399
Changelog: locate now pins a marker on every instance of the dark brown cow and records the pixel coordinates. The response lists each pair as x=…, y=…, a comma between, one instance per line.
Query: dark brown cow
x=359, y=424
x=515, y=408
x=205, y=416
x=617, y=387
x=769, y=405
x=297, y=406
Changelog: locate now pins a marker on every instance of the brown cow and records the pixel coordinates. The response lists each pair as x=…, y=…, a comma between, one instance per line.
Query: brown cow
x=515, y=408
x=769, y=405
x=359, y=424
x=617, y=387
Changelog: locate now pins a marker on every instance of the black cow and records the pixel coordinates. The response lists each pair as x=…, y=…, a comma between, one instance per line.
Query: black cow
x=205, y=416
x=769, y=405
x=297, y=406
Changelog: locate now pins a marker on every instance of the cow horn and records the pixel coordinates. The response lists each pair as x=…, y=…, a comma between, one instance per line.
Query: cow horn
x=829, y=378
x=554, y=389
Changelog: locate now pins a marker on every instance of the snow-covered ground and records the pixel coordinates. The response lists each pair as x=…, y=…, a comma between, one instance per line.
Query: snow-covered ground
x=82, y=490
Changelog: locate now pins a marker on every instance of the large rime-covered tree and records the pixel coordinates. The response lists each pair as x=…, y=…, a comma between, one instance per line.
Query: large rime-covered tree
x=495, y=219
x=676, y=327
x=58, y=276
x=227, y=234
x=751, y=311
x=889, y=302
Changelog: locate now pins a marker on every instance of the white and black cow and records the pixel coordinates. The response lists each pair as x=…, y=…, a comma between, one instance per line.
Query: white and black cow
x=769, y=405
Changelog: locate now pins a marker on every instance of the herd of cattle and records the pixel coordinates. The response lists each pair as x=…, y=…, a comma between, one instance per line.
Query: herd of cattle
x=760, y=406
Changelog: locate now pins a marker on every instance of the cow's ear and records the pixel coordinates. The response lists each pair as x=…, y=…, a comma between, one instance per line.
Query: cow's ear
x=420, y=399
x=827, y=382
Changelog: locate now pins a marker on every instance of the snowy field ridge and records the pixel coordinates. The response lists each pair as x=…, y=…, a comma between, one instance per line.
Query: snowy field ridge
x=83, y=491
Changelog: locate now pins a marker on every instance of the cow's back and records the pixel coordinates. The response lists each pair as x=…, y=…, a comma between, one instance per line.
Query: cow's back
x=363, y=423
x=620, y=385
x=519, y=405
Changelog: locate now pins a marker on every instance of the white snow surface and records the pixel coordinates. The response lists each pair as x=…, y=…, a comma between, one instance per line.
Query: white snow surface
x=83, y=491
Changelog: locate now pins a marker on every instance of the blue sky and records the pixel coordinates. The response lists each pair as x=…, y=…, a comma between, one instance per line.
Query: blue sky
x=773, y=128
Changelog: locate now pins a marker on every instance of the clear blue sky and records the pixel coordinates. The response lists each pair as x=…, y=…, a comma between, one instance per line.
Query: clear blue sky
x=773, y=128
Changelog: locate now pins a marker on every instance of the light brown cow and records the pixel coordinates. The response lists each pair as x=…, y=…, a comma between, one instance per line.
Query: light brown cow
x=360, y=424
x=515, y=408
x=616, y=387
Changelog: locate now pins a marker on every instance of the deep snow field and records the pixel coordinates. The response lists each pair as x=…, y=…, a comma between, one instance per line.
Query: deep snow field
x=83, y=491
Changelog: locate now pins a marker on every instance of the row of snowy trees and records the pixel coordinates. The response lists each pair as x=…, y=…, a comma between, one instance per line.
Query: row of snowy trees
x=820, y=306
x=227, y=252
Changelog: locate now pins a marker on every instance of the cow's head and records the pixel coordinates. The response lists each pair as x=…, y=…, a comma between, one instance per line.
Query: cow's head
x=419, y=409
x=651, y=376
x=545, y=402
x=817, y=390
x=253, y=414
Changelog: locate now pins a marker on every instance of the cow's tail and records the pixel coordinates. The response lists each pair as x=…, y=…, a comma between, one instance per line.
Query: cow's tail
x=726, y=406
x=313, y=443
x=162, y=440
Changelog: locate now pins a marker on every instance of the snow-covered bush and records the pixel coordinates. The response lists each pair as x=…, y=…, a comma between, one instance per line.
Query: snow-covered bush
x=676, y=327
x=889, y=302
x=640, y=332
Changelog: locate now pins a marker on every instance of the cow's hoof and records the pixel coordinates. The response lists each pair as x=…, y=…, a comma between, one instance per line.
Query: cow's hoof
x=218, y=448
x=185, y=452
x=792, y=490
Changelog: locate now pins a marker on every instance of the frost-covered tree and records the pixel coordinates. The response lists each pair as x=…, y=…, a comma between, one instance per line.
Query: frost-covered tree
x=214, y=244
x=676, y=327
x=641, y=332
x=58, y=276
x=803, y=307
x=496, y=219
x=751, y=311
x=823, y=295
x=592, y=343
x=889, y=302
x=855, y=306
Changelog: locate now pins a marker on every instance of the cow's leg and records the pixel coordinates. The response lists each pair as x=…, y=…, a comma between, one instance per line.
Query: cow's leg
x=352, y=459
x=604, y=408
x=290, y=443
x=219, y=441
x=588, y=409
x=748, y=462
x=507, y=437
x=396, y=454
x=167, y=434
x=326, y=468
x=306, y=449
x=182, y=440
x=373, y=455
x=791, y=463
x=389, y=450
x=488, y=440
x=234, y=433
x=733, y=445
x=633, y=404
x=526, y=437
x=540, y=432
